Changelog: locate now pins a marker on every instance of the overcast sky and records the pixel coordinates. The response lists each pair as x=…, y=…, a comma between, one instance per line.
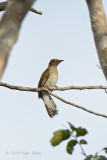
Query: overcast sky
x=63, y=32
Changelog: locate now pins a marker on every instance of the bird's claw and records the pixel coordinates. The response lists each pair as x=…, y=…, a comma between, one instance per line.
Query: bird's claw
x=56, y=87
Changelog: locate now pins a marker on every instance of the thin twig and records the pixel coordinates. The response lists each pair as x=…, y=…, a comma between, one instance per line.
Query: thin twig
x=35, y=11
x=99, y=66
x=83, y=152
x=20, y=88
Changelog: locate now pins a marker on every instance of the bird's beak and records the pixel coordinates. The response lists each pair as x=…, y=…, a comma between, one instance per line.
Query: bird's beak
x=61, y=61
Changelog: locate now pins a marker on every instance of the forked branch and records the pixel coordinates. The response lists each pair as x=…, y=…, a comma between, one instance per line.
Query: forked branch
x=20, y=88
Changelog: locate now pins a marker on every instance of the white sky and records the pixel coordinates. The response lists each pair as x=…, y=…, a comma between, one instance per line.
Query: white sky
x=63, y=32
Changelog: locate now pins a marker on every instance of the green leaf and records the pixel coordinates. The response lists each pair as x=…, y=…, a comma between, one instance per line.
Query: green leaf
x=82, y=141
x=89, y=157
x=96, y=157
x=81, y=132
x=102, y=158
x=105, y=149
x=59, y=136
x=70, y=146
x=72, y=126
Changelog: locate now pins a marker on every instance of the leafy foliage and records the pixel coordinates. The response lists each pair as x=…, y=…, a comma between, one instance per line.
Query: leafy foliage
x=74, y=133
x=105, y=149
x=96, y=157
x=89, y=157
x=82, y=141
x=72, y=126
x=60, y=136
x=70, y=146
x=81, y=131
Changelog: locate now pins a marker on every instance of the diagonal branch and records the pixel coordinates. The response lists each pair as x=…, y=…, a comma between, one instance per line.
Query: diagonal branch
x=35, y=11
x=20, y=88
x=77, y=106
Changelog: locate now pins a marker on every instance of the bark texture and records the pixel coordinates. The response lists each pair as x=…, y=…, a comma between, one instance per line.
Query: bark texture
x=99, y=28
x=9, y=27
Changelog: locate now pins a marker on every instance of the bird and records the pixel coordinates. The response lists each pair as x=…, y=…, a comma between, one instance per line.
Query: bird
x=49, y=79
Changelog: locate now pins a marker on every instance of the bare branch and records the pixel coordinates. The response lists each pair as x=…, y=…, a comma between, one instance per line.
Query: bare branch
x=20, y=88
x=99, y=28
x=51, y=88
x=99, y=66
x=4, y=4
x=9, y=27
x=77, y=106
x=35, y=11
x=78, y=87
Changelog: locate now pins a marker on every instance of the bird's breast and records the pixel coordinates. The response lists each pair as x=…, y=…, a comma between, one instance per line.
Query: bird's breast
x=52, y=80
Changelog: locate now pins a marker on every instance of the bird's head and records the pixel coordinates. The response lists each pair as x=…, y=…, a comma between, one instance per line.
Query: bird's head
x=55, y=62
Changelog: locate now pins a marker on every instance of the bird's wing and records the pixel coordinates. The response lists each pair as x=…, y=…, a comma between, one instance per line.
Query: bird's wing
x=43, y=80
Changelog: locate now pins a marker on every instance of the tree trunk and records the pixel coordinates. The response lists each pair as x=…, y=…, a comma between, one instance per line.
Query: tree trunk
x=9, y=27
x=99, y=28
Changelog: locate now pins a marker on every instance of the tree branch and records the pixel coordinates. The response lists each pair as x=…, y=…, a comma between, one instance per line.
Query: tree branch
x=35, y=11
x=4, y=4
x=78, y=87
x=20, y=88
x=99, y=28
x=9, y=27
x=51, y=88
x=77, y=106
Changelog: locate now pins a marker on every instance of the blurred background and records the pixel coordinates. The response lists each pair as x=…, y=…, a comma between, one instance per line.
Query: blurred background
x=63, y=32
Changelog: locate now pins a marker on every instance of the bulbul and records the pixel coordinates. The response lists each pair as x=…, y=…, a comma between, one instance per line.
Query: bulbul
x=49, y=79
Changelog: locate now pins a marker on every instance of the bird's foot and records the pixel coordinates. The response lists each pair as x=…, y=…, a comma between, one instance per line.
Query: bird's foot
x=49, y=89
x=56, y=87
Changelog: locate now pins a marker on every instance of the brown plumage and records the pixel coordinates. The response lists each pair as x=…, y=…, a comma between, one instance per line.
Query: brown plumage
x=49, y=79
x=43, y=79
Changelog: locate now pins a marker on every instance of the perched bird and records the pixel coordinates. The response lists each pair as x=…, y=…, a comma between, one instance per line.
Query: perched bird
x=49, y=79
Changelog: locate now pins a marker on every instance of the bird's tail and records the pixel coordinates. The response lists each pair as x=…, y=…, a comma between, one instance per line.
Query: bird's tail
x=50, y=105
